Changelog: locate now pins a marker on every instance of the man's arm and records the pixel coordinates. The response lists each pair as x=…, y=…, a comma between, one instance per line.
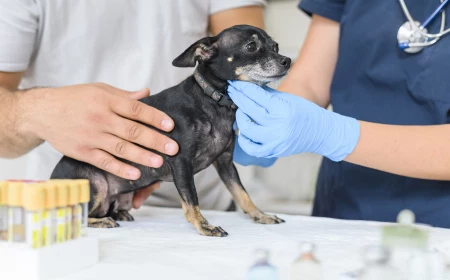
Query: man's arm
x=91, y=123
x=12, y=143
x=251, y=15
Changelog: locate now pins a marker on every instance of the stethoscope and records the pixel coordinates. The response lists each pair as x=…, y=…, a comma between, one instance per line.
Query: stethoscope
x=413, y=36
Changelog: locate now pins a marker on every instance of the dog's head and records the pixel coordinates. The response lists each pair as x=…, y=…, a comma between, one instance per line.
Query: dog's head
x=241, y=52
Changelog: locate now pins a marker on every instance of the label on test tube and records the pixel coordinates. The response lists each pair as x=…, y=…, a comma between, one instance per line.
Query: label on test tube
x=47, y=227
x=34, y=227
x=33, y=203
x=3, y=213
x=16, y=223
x=62, y=199
x=68, y=223
x=77, y=213
x=61, y=225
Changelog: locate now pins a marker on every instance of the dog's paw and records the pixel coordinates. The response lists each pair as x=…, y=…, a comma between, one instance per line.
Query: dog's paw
x=122, y=215
x=209, y=230
x=106, y=222
x=266, y=219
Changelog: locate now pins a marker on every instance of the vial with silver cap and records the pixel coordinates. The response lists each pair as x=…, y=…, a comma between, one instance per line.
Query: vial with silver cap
x=306, y=266
x=376, y=265
x=262, y=269
x=408, y=244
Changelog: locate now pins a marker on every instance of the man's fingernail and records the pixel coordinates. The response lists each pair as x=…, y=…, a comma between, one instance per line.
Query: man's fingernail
x=167, y=124
x=133, y=174
x=155, y=161
x=170, y=148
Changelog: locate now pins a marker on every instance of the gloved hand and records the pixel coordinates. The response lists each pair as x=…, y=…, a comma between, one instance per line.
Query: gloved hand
x=276, y=124
x=242, y=158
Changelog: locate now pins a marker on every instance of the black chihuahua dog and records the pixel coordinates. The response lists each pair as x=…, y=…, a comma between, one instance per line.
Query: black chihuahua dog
x=204, y=116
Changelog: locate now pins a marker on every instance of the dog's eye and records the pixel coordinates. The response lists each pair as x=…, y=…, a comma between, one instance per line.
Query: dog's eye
x=251, y=47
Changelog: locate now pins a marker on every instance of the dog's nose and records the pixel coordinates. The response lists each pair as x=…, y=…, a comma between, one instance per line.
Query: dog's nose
x=286, y=62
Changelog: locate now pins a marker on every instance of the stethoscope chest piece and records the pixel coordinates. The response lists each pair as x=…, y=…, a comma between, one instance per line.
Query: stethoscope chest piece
x=407, y=34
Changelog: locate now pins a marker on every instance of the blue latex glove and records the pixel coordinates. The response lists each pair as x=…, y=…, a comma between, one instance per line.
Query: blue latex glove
x=242, y=158
x=276, y=124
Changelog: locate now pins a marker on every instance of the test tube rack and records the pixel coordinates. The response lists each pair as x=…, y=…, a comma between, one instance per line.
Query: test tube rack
x=18, y=262
x=43, y=229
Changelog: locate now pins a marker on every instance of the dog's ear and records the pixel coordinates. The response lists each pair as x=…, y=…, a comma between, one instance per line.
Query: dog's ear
x=202, y=50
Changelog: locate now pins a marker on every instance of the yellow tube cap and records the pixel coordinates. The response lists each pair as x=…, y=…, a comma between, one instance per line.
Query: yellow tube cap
x=34, y=196
x=85, y=190
x=62, y=192
x=14, y=194
x=3, y=193
x=74, y=193
x=50, y=196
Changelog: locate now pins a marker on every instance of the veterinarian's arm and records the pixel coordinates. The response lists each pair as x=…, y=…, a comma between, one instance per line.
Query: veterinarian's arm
x=312, y=72
x=251, y=15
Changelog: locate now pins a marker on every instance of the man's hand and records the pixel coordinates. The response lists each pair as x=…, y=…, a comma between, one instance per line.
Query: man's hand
x=95, y=122
x=141, y=195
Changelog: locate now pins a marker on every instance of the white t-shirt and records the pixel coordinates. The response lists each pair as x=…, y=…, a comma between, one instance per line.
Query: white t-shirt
x=129, y=44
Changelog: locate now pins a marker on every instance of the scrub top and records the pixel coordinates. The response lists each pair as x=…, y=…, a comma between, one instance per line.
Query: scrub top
x=377, y=82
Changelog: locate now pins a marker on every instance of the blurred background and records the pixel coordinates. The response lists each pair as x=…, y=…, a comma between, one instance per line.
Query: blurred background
x=288, y=186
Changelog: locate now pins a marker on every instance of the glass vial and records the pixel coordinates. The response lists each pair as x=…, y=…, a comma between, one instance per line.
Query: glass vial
x=407, y=243
x=85, y=191
x=62, y=199
x=49, y=216
x=73, y=231
x=16, y=218
x=3, y=213
x=34, y=204
x=306, y=266
x=262, y=269
x=376, y=265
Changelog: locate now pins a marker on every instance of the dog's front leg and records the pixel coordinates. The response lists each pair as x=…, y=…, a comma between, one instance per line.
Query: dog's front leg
x=229, y=175
x=183, y=176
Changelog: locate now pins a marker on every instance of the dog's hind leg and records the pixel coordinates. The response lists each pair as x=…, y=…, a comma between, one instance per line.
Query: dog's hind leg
x=125, y=204
x=229, y=175
x=184, y=181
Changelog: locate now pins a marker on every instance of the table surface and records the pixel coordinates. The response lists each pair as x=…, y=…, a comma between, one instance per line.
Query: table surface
x=161, y=244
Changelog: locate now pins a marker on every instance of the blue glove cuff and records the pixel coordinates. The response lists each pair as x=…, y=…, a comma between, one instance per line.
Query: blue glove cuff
x=344, y=137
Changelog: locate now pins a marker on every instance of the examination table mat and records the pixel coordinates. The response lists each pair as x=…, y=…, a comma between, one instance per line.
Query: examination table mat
x=161, y=244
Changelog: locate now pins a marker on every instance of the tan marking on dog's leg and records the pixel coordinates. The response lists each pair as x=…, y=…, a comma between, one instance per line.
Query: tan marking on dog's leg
x=106, y=222
x=97, y=204
x=243, y=200
x=195, y=217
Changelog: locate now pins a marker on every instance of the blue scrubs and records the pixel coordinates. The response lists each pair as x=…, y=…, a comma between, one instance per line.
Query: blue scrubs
x=375, y=81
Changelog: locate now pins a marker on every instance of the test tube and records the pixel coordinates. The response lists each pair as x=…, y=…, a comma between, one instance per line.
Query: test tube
x=62, y=197
x=74, y=197
x=49, y=216
x=34, y=204
x=3, y=213
x=16, y=219
x=84, y=200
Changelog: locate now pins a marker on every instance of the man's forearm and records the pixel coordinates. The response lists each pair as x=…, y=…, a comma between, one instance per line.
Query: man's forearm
x=414, y=151
x=14, y=141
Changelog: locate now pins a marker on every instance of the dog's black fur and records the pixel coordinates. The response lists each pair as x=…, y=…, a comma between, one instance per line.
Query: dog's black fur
x=203, y=130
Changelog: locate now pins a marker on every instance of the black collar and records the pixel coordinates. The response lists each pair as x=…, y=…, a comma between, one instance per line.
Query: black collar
x=220, y=98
